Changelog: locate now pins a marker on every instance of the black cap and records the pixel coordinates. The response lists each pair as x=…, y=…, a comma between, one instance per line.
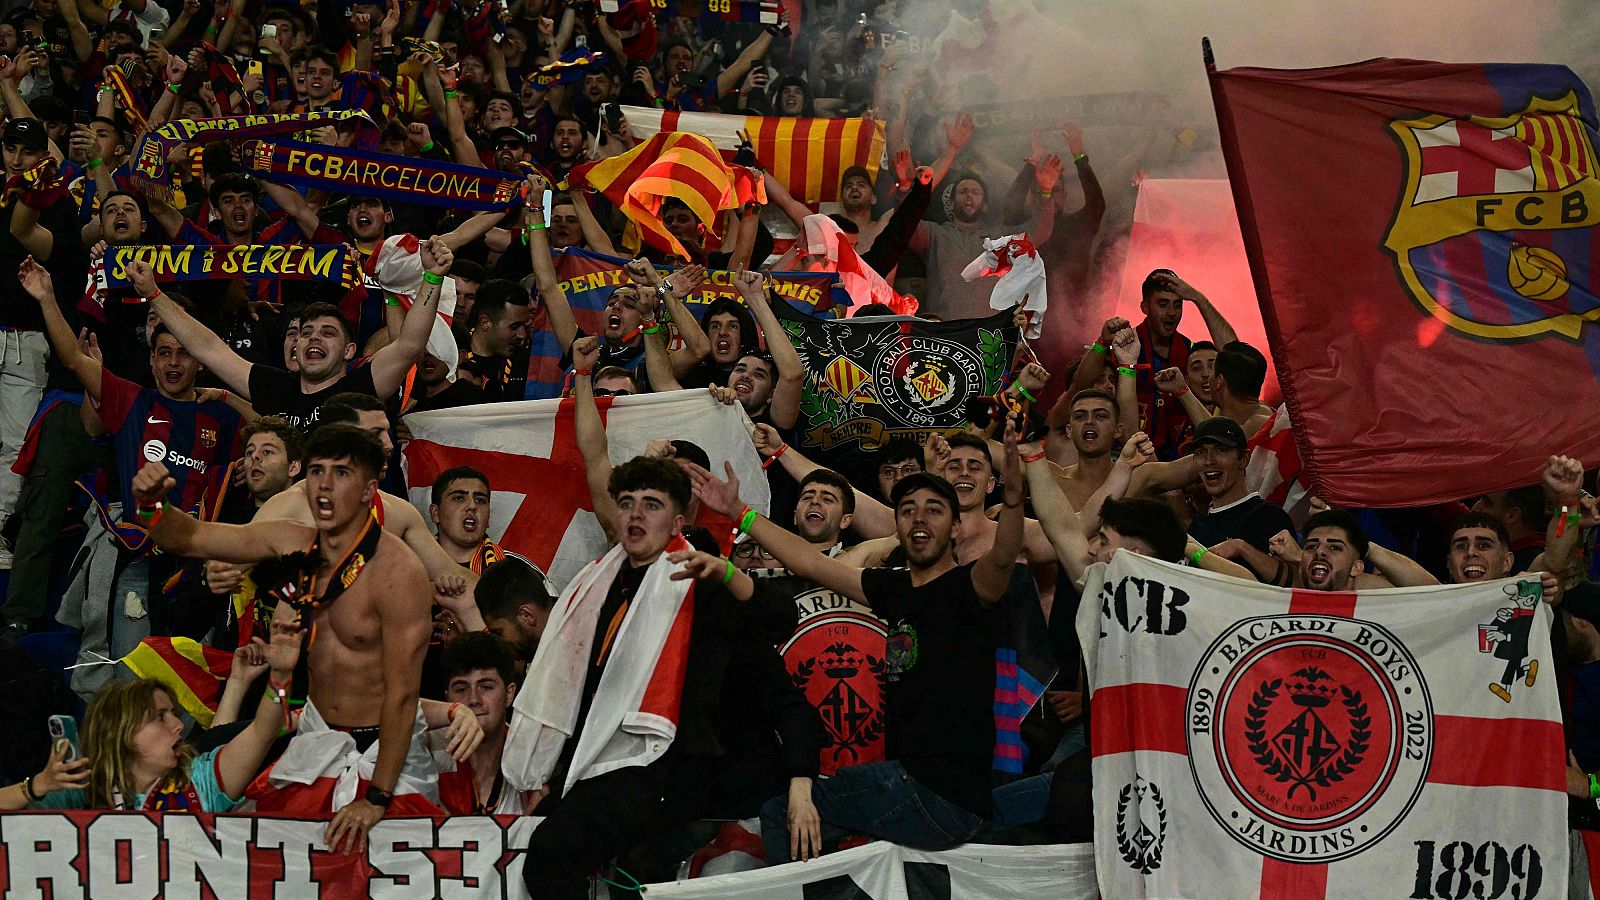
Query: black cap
x=507, y=132
x=856, y=170
x=918, y=481
x=28, y=133
x=1219, y=430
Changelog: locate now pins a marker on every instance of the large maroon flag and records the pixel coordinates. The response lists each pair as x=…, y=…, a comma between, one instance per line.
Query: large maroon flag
x=1422, y=238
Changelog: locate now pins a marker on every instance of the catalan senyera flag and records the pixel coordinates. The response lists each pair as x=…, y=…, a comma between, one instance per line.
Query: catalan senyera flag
x=1423, y=239
x=670, y=164
x=194, y=672
x=806, y=156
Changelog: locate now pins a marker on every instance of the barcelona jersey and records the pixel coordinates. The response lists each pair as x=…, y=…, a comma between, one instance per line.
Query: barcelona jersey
x=195, y=441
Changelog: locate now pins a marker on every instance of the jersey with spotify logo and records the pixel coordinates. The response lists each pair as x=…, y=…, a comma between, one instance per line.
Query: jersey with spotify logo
x=195, y=441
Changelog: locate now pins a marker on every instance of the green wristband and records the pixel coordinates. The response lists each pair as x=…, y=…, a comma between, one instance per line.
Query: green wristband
x=1594, y=787
x=391, y=300
x=1099, y=347
x=1127, y=370
x=93, y=164
x=728, y=576
x=747, y=521
x=1195, y=557
x=426, y=147
x=431, y=278
x=653, y=329
x=1024, y=392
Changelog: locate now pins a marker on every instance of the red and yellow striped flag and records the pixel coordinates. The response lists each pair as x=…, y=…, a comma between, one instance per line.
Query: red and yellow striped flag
x=1562, y=153
x=192, y=671
x=671, y=164
x=806, y=156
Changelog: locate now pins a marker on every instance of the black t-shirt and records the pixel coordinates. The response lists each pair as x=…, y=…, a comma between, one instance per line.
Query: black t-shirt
x=1252, y=520
x=459, y=393
x=276, y=392
x=66, y=265
x=505, y=377
x=941, y=682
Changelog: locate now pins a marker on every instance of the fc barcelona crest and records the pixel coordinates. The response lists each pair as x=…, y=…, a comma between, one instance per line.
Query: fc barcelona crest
x=1493, y=233
x=1310, y=736
x=208, y=437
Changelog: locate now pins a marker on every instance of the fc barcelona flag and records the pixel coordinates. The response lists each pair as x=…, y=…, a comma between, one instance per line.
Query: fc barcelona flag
x=1423, y=240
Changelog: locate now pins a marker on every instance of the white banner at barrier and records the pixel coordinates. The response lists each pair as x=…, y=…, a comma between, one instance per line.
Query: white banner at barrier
x=1255, y=741
x=134, y=856
x=884, y=871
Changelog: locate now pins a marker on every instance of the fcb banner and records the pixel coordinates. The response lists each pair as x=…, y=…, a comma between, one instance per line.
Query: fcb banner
x=529, y=450
x=1255, y=741
x=885, y=871
x=1457, y=219
x=193, y=262
x=806, y=156
x=94, y=855
x=371, y=174
x=875, y=378
x=589, y=278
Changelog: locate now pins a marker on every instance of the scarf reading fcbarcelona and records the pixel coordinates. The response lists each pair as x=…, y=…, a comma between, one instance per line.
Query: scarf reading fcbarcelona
x=384, y=175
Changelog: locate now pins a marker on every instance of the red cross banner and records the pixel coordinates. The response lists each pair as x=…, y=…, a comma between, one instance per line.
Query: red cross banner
x=1423, y=240
x=540, y=507
x=1255, y=741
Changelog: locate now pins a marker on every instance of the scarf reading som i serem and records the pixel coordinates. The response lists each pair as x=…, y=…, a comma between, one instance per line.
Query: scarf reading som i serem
x=330, y=263
x=385, y=175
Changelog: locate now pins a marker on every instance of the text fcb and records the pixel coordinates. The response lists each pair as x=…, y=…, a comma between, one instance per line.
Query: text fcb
x=1309, y=736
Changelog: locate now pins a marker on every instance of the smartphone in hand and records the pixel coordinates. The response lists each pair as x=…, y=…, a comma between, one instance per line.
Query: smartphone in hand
x=65, y=728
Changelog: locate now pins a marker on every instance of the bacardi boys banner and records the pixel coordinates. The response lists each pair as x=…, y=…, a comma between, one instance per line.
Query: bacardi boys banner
x=137, y=855
x=1254, y=741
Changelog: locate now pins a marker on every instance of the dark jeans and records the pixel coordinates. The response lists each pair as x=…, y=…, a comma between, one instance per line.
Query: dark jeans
x=879, y=800
x=65, y=452
x=604, y=816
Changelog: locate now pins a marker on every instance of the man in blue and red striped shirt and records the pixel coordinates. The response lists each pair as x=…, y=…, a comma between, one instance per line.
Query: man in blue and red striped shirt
x=196, y=440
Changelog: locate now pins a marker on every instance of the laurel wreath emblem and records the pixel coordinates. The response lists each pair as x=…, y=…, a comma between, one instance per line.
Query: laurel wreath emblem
x=1144, y=860
x=1266, y=756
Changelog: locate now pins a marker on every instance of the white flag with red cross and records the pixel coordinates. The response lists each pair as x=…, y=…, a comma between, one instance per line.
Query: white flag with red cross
x=1256, y=741
x=540, y=507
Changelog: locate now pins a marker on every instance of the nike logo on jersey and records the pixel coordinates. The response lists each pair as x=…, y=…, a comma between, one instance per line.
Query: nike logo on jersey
x=152, y=420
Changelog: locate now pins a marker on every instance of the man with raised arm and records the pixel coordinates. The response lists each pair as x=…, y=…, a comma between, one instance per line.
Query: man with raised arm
x=359, y=748
x=326, y=346
x=934, y=790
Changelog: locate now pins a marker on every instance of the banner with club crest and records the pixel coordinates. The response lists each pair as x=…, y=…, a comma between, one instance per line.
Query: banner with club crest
x=874, y=378
x=1256, y=741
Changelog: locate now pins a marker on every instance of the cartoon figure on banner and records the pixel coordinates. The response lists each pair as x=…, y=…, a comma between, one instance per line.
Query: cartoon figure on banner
x=1141, y=837
x=1507, y=637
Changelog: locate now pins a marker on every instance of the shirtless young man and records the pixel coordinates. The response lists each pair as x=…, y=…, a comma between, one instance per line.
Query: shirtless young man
x=395, y=514
x=367, y=620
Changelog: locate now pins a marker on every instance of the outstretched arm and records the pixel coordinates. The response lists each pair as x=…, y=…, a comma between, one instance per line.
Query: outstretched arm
x=1056, y=515
x=240, y=759
x=796, y=553
x=731, y=76
x=390, y=365
x=557, y=310
x=872, y=518
x=1401, y=570
x=784, y=407
x=36, y=281
x=201, y=342
x=180, y=534
x=592, y=433
x=992, y=573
